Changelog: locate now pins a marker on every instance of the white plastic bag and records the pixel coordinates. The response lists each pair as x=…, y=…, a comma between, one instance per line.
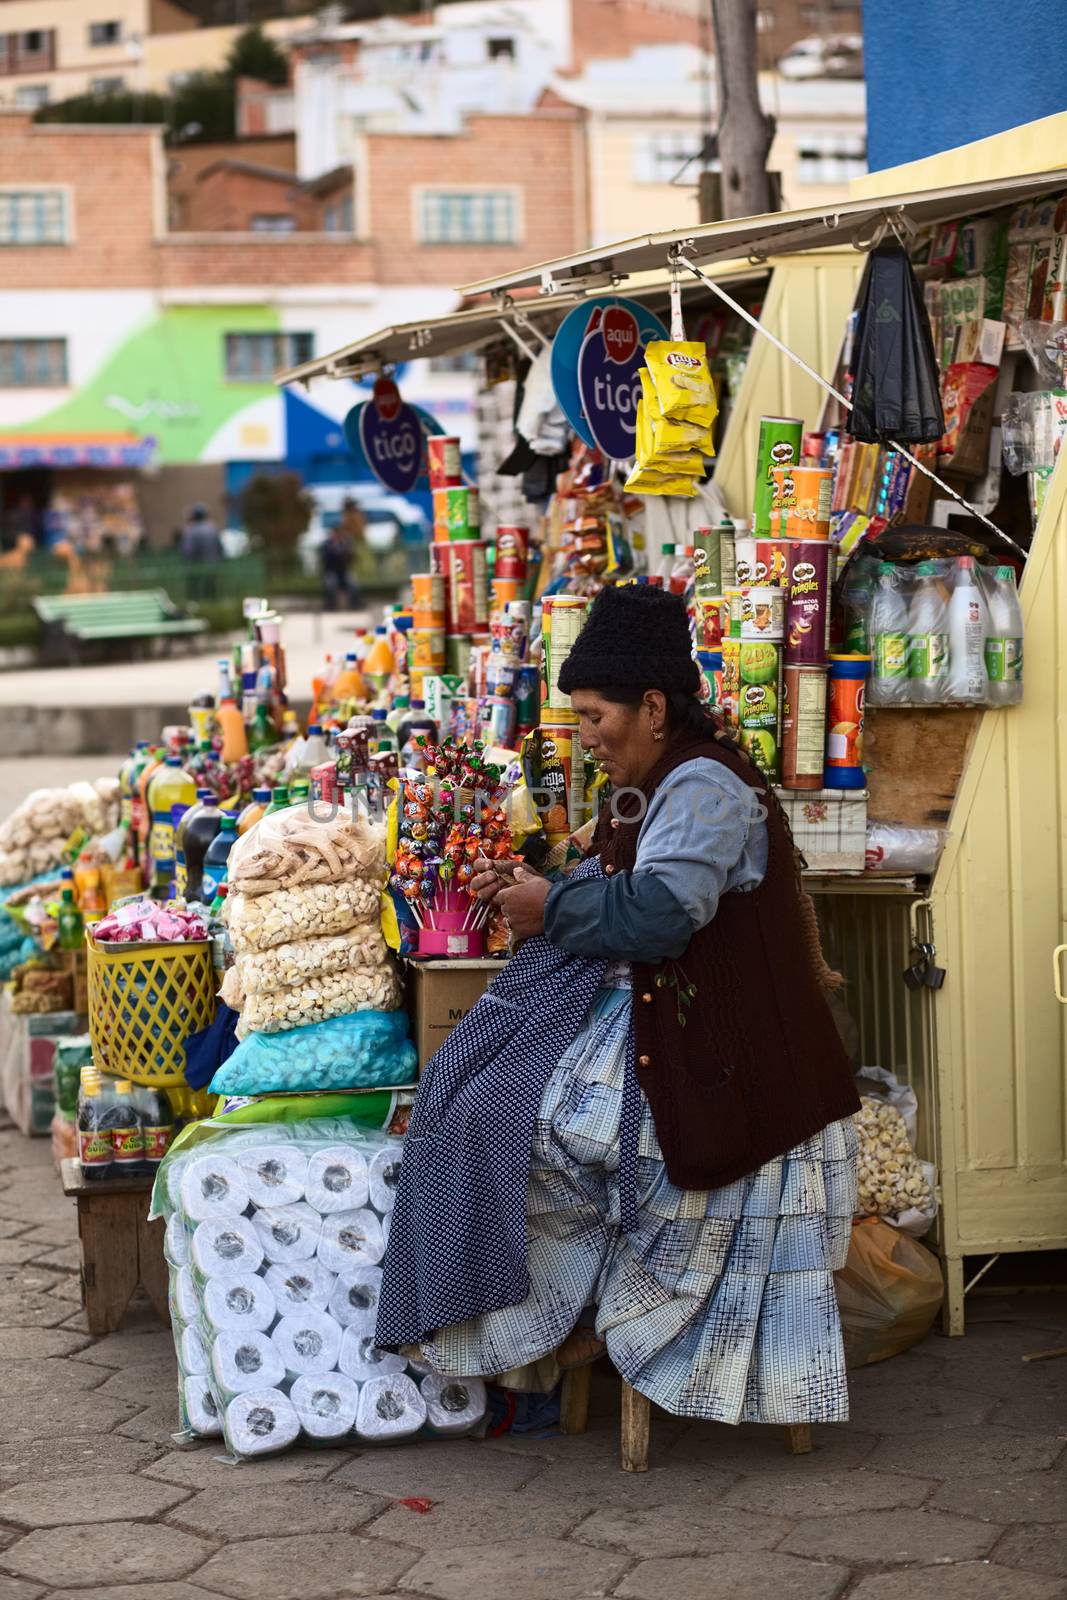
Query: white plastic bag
x=303, y=845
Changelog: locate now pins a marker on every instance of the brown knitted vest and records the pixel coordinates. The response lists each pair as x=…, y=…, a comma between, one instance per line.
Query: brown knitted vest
x=737, y=1053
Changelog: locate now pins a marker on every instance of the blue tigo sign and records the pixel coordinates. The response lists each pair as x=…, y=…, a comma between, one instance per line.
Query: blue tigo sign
x=391, y=437
x=597, y=353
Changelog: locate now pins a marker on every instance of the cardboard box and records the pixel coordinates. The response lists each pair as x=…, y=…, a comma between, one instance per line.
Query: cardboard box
x=440, y=993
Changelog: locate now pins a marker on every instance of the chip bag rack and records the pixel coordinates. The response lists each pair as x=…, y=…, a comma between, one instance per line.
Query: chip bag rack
x=144, y=1002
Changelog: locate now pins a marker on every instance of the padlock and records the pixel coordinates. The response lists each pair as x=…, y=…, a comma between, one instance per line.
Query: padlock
x=934, y=976
x=915, y=976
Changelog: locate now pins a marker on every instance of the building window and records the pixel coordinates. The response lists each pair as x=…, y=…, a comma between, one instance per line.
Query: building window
x=33, y=216
x=256, y=357
x=33, y=363
x=31, y=96
x=831, y=158
x=765, y=21
x=453, y=216
x=273, y=222
x=660, y=157
x=104, y=86
x=105, y=33
x=500, y=49
x=32, y=43
x=338, y=217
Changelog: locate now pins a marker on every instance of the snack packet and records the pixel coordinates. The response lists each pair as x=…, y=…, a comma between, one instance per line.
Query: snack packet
x=679, y=370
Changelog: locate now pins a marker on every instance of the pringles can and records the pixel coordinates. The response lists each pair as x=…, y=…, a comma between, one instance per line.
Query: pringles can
x=731, y=681
x=759, y=613
x=759, y=667
x=745, y=562
x=779, y=446
x=503, y=591
x=445, y=463
x=710, y=663
x=807, y=606
x=846, y=694
x=772, y=562
x=427, y=649
x=512, y=544
x=428, y=600
x=802, y=501
x=706, y=543
x=458, y=654
x=803, y=726
x=562, y=620
x=468, y=595
x=559, y=779
x=709, y=622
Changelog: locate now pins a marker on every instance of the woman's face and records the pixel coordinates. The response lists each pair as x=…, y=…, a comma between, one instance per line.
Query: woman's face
x=621, y=737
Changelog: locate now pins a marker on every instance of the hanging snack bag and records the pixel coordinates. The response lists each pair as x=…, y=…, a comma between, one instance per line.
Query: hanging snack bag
x=679, y=370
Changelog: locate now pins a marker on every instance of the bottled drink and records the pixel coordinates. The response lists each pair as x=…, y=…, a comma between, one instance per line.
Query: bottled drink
x=71, y=922
x=157, y=1126
x=126, y=777
x=888, y=628
x=215, y=860
x=127, y=1140
x=262, y=733
x=279, y=800
x=232, y=727
x=968, y=627
x=299, y=791
x=349, y=683
x=94, y=1137
x=379, y=664
x=666, y=563
x=1004, y=641
x=142, y=816
x=682, y=571
x=316, y=750
x=170, y=785
x=93, y=898
x=928, y=642
x=255, y=809
x=192, y=836
x=219, y=900
x=414, y=722
x=225, y=688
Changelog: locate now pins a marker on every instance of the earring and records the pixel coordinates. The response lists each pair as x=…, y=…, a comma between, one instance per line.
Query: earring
x=657, y=733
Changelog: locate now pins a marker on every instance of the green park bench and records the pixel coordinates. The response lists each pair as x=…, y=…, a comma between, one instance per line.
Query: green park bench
x=72, y=622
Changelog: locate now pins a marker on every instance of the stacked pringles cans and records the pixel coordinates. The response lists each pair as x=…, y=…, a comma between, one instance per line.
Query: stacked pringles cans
x=775, y=660
x=554, y=760
x=504, y=680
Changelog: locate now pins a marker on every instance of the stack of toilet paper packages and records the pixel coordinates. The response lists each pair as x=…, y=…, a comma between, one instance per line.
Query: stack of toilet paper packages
x=304, y=918
x=274, y=1237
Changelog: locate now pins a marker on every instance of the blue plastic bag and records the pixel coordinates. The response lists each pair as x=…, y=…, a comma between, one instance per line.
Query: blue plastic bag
x=363, y=1050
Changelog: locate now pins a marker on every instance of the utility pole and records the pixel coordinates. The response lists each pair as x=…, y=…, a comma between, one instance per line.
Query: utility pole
x=745, y=132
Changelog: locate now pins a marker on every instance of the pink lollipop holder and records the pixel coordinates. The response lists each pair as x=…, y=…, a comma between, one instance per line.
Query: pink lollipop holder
x=449, y=939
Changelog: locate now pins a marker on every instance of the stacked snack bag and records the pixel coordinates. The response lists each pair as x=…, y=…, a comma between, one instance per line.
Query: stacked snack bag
x=674, y=419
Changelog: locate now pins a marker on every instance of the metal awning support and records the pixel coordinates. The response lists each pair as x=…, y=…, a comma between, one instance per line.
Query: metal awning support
x=678, y=256
x=517, y=340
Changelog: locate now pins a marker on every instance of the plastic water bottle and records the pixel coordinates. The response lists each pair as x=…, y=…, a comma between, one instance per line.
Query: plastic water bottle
x=968, y=626
x=888, y=626
x=928, y=640
x=1004, y=641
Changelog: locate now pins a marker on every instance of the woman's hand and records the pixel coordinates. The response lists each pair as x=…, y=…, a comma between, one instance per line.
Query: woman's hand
x=524, y=904
x=491, y=877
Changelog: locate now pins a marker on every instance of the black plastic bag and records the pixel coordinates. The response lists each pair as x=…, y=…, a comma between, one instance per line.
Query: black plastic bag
x=896, y=393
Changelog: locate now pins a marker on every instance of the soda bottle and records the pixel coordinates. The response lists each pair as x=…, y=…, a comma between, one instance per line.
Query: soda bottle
x=968, y=627
x=262, y=733
x=888, y=628
x=928, y=643
x=216, y=858
x=666, y=563
x=71, y=922
x=1004, y=641
x=126, y=776
x=170, y=786
x=255, y=809
x=192, y=836
x=232, y=727
x=157, y=1126
x=279, y=799
x=142, y=817
x=127, y=1140
x=93, y=898
x=299, y=791
x=94, y=1138
x=682, y=571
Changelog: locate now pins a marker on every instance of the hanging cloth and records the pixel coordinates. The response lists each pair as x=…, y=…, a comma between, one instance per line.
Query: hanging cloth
x=896, y=392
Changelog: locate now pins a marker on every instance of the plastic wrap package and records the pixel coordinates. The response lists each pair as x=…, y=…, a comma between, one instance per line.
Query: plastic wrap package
x=273, y=1304
x=305, y=960
x=289, y=849
x=888, y=1292
x=893, y=1183
x=263, y=922
x=33, y=837
x=891, y=847
x=332, y=995
x=360, y=1050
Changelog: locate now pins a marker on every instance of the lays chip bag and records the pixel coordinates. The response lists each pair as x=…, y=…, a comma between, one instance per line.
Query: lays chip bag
x=674, y=419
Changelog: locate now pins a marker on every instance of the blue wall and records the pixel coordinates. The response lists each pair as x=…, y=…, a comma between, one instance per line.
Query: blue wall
x=943, y=72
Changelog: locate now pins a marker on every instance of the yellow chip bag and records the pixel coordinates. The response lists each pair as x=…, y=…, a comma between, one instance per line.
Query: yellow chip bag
x=679, y=370
x=644, y=441
x=681, y=436
x=644, y=480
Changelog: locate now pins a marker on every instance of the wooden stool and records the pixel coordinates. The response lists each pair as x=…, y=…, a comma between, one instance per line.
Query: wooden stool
x=637, y=1420
x=120, y=1248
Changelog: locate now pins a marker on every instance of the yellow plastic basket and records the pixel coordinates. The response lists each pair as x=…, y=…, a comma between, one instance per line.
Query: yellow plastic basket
x=144, y=1002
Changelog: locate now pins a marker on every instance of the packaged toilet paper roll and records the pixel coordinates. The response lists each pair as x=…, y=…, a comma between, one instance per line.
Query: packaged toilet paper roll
x=261, y=1421
x=326, y=1405
x=453, y=1405
x=226, y=1247
x=355, y=1296
x=176, y=1241
x=184, y=1302
x=212, y=1186
x=337, y=1180
x=308, y=1342
x=360, y=1357
x=170, y=1177
x=192, y=1357
x=276, y=1175
x=351, y=1239
x=289, y=1233
x=200, y=1414
x=239, y=1304
x=305, y=1283
x=383, y=1178
x=389, y=1408
x=245, y=1361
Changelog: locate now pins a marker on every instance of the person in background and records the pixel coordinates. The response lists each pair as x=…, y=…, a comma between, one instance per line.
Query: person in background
x=338, y=589
x=200, y=542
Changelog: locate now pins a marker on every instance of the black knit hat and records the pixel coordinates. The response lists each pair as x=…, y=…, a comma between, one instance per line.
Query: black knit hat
x=636, y=637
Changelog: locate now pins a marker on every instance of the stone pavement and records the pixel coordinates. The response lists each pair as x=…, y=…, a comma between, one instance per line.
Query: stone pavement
x=949, y=1483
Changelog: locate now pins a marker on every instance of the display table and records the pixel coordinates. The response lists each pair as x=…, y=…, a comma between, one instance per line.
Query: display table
x=120, y=1248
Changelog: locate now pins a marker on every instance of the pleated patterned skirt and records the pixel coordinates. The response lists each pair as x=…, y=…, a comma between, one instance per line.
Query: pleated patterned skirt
x=720, y=1305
